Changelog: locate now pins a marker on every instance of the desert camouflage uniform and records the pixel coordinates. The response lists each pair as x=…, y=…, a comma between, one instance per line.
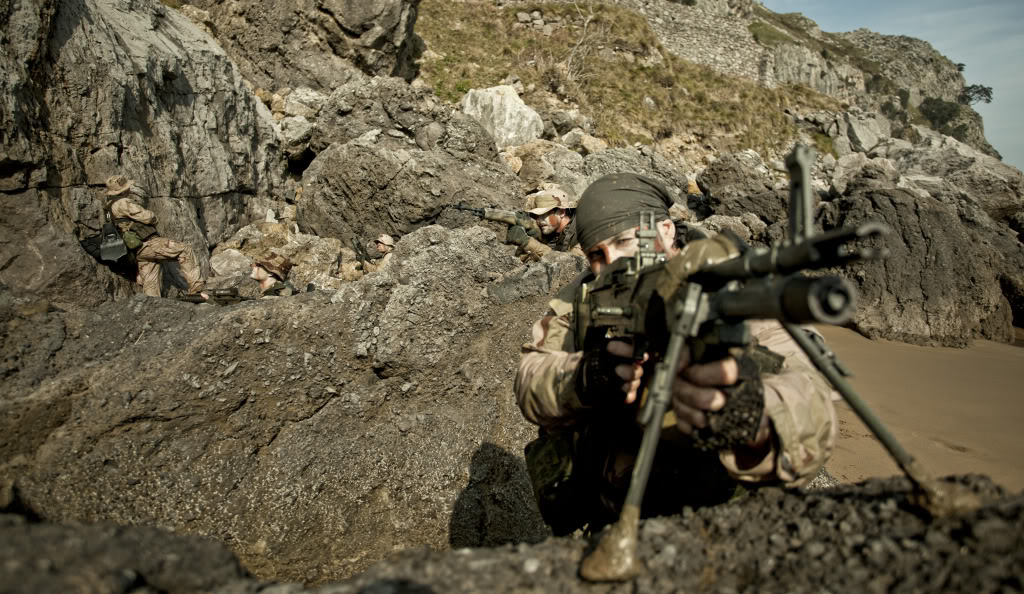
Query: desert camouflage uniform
x=798, y=402
x=155, y=249
x=565, y=241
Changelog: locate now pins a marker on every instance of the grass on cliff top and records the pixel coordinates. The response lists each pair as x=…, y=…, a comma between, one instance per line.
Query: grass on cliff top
x=830, y=46
x=607, y=60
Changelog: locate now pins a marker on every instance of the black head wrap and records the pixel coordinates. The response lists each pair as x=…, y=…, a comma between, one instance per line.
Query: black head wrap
x=613, y=204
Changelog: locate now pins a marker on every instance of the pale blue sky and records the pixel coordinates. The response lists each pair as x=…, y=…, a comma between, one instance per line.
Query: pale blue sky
x=986, y=35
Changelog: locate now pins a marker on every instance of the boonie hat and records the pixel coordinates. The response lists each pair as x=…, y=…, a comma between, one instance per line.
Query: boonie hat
x=548, y=200
x=386, y=240
x=276, y=264
x=118, y=184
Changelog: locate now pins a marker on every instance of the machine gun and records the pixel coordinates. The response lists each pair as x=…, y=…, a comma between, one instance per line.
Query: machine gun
x=228, y=296
x=509, y=217
x=701, y=299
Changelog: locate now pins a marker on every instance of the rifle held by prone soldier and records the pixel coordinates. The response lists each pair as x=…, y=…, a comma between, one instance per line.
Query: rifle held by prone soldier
x=229, y=296
x=509, y=217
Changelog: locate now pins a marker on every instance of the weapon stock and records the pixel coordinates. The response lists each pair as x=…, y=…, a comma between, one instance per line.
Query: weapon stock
x=714, y=286
x=509, y=217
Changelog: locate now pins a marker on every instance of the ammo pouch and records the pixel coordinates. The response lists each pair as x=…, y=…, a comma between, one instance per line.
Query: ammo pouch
x=549, y=461
x=131, y=240
x=136, y=234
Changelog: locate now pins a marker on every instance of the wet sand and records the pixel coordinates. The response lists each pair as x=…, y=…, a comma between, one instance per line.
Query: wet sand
x=957, y=411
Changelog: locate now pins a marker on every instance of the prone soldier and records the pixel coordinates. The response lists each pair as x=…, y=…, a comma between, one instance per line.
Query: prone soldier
x=553, y=213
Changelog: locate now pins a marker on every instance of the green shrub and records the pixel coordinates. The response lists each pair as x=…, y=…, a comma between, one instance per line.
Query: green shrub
x=939, y=112
x=904, y=97
x=767, y=35
x=823, y=142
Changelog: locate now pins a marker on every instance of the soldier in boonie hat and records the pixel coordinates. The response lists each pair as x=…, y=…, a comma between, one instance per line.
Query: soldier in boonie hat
x=139, y=233
x=272, y=273
x=118, y=184
x=379, y=251
x=553, y=211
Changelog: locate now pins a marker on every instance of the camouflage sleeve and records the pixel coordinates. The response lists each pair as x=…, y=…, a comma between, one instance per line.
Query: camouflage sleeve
x=534, y=250
x=129, y=209
x=545, y=384
x=798, y=402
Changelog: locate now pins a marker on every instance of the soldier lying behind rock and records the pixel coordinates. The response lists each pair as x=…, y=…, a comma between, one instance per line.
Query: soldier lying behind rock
x=272, y=273
x=553, y=212
x=581, y=463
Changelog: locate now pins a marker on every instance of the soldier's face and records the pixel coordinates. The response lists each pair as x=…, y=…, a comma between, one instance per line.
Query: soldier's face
x=550, y=221
x=258, y=273
x=625, y=244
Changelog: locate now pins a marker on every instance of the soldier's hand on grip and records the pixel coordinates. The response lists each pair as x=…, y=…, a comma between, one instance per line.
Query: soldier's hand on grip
x=516, y=235
x=609, y=368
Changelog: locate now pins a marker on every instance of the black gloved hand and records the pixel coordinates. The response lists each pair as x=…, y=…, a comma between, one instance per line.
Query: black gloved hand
x=516, y=235
x=596, y=378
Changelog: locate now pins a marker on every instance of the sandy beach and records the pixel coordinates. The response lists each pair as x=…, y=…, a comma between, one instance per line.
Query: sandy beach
x=956, y=410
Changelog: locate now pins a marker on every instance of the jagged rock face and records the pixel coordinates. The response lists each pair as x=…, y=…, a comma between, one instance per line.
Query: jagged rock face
x=795, y=64
x=939, y=285
x=403, y=116
x=361, y=189
x=315, y=434
x=316, y=43
x=911, y=64
x=644, y=161
x=110, y=86
x=995, y=186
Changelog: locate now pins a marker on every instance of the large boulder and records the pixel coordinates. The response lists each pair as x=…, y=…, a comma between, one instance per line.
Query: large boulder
x=734, y=176
x=940, y=285
x=363, y=188
x=503, y=114
x=99, y=87
x=316, y=43
x=403, y=115
x=314, y=434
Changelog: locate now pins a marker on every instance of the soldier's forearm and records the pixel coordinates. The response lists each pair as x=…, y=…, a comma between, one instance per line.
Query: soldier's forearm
x=545, y=387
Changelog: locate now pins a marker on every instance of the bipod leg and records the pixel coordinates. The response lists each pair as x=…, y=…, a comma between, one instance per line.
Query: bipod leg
x=935, y=497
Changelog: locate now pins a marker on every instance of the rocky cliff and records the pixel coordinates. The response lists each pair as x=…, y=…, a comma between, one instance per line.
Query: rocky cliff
x=318, y=434
x=101, y=87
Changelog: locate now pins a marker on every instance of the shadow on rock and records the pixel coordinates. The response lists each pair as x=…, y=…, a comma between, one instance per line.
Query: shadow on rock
x=497, y=505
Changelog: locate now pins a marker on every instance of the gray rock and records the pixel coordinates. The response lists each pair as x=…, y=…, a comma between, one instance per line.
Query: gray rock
x=389, y=104
x=230, y=262
x=363, y=188
x=146, y=94
x=316, y=45
x=235, y=457
x=866, y=130
x=503, y=114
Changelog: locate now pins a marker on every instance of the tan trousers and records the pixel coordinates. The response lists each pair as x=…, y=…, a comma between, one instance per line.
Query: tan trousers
x=161, y=249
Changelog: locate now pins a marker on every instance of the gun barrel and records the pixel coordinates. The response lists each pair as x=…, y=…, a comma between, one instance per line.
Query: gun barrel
x=819, y=251
x=796, y=299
